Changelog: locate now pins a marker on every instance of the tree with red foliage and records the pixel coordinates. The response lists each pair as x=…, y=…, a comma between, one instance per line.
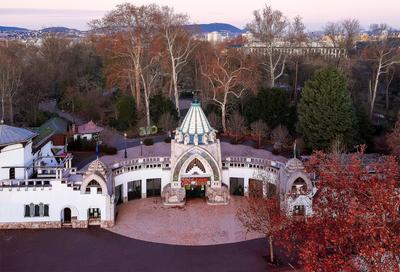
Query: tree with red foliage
x=356, y=220
x=263, y=215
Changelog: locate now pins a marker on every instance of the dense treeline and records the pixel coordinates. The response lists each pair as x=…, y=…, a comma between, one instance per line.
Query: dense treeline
x=139, y=60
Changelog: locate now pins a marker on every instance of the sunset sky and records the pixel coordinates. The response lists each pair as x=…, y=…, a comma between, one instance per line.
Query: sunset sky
x=36, y=14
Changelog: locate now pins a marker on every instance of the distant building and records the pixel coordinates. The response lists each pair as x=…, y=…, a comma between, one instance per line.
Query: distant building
x=88, y=131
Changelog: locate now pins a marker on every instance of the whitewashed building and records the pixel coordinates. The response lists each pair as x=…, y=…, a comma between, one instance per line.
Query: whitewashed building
x=39, y=189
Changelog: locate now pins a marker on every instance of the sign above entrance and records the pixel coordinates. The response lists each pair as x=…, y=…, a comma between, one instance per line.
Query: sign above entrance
x=194, y=181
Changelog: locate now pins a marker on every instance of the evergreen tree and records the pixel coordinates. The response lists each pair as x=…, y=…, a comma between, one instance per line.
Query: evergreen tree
x=326, y=110
x=126, y=112
x=271, y=106
x=160, y=104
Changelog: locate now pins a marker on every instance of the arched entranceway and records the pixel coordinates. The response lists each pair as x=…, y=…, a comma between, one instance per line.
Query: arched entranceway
x=195, y=176
x=67, y=216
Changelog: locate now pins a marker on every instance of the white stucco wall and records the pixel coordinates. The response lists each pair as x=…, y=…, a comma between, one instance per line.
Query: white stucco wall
x=59, y=196
x=15, y=155
x=143, y=175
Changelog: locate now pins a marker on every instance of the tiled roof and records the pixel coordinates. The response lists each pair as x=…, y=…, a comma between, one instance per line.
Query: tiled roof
x=195, y=122
x=12, y=135
x=89, y=128
x=56, y=124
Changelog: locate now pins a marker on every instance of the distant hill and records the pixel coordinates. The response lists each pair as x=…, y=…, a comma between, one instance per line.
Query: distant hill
x=59, y=29
x=13, y=28
x=219, y=27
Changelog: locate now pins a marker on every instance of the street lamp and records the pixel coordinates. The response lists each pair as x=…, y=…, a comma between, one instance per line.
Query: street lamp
x=141, y=148
x=125, y=153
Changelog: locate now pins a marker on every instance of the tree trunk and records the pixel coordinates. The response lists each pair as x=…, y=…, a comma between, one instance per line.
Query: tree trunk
x=271, y=249
x=375, y=89
x=147, y=111
x=137, y=87
x=2, y=107
x=223, y=116
x=295, y=82
x=10, y=110
x=373, y=95
x=272, y=73
x=176, y=92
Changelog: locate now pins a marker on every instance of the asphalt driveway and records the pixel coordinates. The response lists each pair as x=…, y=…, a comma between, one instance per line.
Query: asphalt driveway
x=101, y=250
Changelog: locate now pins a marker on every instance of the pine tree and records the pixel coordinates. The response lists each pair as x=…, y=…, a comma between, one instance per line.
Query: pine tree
x=326, y=110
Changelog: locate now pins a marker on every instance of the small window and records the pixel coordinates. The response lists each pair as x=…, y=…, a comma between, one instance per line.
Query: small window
x=27, y=211
x=94, y=213
x=12, y=173
x=37, y=211
x=46, y=210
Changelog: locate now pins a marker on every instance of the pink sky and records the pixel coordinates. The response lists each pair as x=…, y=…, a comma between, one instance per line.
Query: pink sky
x=314, y=12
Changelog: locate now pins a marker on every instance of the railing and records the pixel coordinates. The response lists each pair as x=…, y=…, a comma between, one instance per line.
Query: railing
x=25, y=183
x=140, y=164
x=246, y=162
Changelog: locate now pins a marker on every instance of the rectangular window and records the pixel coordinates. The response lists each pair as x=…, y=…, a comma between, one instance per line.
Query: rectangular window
x=299, y=210
x=12, y=173
x=94, y=213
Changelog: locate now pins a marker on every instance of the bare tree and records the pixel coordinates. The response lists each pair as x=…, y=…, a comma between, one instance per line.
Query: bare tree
x=297, y=37
x=228, y=73
x=384, y=54
x=270, y=27
x=167, y=122
x=150, y=76
x=337, y=147
x=10, y=78
x=280, y=136
x=259, y=129
x=179, y=45
x=215, y=120
x=263, y=215
x=388, y=81
x=128, y=30
x=351, y=29
x=237, y=125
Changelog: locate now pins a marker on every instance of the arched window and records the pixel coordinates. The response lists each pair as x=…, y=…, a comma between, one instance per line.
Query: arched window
x=94, y=184
x=37, y=210
x=46, y=210
x=27, y=211
x=299, y=186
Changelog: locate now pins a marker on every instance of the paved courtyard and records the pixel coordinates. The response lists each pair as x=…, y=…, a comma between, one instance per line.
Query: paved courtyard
x=195, y=224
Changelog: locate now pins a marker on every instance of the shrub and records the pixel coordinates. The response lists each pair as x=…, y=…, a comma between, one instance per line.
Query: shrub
x=148, y=141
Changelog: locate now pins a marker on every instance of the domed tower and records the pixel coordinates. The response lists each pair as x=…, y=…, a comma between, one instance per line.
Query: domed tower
x=195, y=160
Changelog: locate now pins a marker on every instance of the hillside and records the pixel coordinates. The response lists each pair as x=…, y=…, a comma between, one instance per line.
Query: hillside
x=12, y=28
x=219, y=27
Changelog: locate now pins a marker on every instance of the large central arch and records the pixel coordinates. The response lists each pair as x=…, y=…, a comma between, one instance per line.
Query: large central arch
x=205, y=158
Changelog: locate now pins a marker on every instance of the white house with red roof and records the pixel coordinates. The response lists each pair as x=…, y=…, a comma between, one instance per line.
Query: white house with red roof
x=88, y=131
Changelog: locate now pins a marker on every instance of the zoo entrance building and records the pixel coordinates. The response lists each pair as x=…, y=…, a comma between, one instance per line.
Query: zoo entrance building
x=39, y=188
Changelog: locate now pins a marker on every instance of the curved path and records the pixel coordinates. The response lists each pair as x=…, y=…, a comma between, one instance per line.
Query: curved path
x=101, y=250
x=194, y=224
